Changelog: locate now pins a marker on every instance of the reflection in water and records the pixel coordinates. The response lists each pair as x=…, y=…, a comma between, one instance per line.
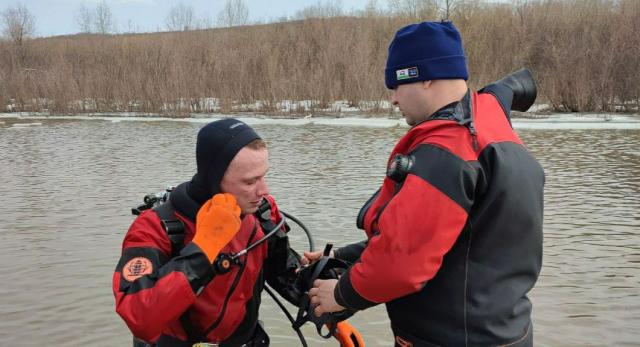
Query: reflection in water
x=68, y=187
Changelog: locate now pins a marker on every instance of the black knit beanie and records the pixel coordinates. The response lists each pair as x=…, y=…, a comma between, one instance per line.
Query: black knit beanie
x=218, y=142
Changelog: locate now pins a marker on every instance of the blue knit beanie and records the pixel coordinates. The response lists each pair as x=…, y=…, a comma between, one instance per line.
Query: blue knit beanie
x=423, y=52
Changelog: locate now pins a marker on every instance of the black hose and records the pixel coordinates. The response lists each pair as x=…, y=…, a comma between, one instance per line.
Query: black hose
x=263, y=239
x=312, y=245
x=286, y=312
x=268, y=289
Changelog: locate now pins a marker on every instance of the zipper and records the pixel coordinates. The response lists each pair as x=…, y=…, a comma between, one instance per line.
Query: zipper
x=233, y=285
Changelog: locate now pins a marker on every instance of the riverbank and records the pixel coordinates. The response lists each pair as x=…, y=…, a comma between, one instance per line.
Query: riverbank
x=310, y=64
x=519, y=121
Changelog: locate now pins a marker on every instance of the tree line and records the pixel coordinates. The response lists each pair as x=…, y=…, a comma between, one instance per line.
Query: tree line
x=583, y=53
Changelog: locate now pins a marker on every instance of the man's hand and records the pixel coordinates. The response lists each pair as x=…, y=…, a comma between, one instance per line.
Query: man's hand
x=322, y=295
x=312, y=257
x=217, y=222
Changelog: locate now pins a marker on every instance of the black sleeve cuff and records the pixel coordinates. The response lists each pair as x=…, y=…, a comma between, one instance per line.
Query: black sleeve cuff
x=346, y=296
x=351, y=253
x=195, y=265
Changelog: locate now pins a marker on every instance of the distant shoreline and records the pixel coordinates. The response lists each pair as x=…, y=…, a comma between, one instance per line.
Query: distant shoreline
x=523, y=121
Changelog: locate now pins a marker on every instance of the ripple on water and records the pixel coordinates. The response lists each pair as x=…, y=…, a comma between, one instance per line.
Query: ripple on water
x=69, y=186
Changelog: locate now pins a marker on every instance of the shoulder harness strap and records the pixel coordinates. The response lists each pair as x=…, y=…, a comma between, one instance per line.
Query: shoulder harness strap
x=175, y=230
x=173, y=226
x=264, y=217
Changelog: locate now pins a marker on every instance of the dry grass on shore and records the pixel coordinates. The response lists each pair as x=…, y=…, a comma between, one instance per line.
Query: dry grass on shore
x=584, y=54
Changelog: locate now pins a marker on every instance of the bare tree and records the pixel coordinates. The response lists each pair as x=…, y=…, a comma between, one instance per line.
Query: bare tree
x=103, y=19
x=415, y=9
x=371, y=9
x=205, y=22
x=330, y=8
x=131, y=27
x=447, y=7
x=18, y=23
x=180, y=17
x=235, y=12
x=84, y=18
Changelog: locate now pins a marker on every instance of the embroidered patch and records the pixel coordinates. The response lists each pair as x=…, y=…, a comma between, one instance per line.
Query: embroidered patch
x=136, y=268
x=407, y=73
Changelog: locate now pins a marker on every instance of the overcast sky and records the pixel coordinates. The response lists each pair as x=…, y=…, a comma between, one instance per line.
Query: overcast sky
x=57, y=17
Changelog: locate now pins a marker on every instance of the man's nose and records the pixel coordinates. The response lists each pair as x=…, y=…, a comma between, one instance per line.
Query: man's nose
x=263, y=189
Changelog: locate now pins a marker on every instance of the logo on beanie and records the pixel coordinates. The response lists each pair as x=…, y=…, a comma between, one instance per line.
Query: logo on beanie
x=236, y=125
x=405, y=74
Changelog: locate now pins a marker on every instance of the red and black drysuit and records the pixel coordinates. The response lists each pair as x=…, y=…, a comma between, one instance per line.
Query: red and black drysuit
x=181, y=301
x=454, y=248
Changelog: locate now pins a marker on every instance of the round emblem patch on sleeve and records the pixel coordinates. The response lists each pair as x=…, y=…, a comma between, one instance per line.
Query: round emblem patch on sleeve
x=136, y=268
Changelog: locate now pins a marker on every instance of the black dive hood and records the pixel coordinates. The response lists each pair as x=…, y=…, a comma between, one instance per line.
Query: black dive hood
x=217, y=144
x=523, y=86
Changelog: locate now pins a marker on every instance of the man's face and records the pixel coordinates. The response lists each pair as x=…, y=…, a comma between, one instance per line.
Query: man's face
x=412, y=99
x=244, y=178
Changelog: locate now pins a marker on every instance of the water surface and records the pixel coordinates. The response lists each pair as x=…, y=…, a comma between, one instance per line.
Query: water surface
x=68, y=186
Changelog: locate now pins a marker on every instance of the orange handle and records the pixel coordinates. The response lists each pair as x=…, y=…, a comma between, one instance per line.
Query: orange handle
x=347, y=335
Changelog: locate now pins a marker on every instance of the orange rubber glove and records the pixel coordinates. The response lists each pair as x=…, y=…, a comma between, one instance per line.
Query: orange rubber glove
x=217, y=222
x=347, y=335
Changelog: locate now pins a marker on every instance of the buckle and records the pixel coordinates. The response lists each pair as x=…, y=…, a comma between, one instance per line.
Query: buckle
x=173, y=227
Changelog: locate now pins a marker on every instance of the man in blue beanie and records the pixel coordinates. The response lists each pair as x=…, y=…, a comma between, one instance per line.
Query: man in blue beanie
x=175, y=284
x=454, y=235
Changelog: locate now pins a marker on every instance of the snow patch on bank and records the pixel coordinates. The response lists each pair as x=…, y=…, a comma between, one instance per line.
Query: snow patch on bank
x=553, y=121
x=579, y=121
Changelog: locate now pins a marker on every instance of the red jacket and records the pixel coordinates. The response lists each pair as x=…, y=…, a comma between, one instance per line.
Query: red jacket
x=153, y=291
x=455, y=247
